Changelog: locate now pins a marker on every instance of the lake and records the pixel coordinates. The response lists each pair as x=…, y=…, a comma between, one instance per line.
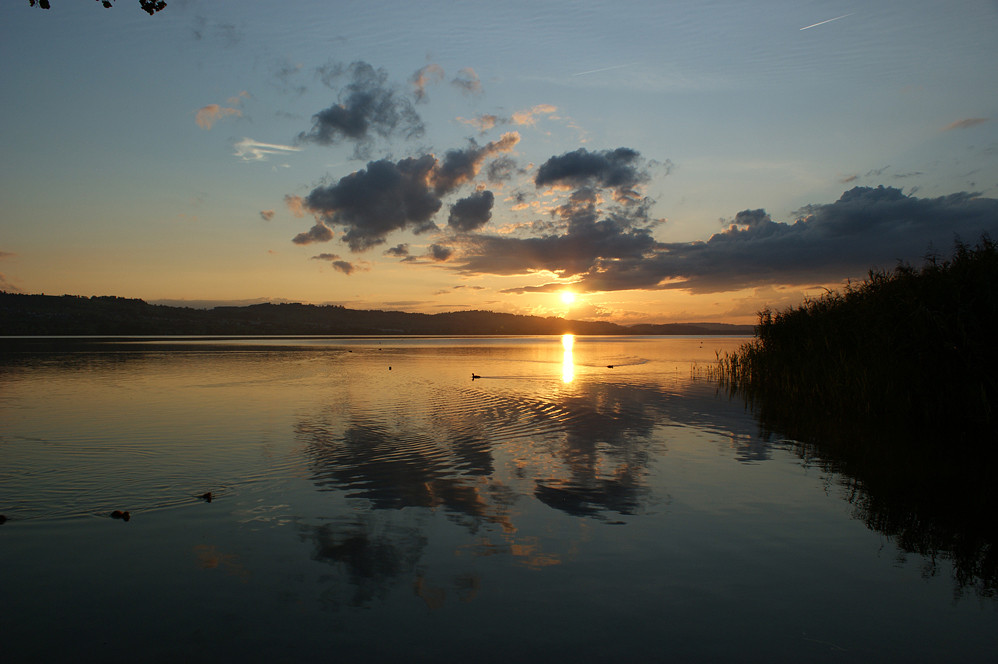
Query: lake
x=371, y=501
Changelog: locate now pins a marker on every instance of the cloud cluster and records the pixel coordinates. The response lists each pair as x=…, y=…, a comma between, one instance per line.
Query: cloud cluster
x=391, y=196
x=368, y=106
x=599, y=231
x=867, y=227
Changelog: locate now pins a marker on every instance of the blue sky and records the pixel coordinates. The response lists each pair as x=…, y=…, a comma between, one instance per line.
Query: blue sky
x=667, y=161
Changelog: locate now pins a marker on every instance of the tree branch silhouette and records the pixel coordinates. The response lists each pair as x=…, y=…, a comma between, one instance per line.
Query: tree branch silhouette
x=148, y=6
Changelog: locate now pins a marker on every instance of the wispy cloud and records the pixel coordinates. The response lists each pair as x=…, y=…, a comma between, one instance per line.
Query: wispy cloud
x=966, y=123
x=423, y=77
x=527, y=117
x=368, y=106
x=601, y=69
x=208, y=115
x=467, y=81
x=249, y=149
x=837, y=18
x=5, y=284
x=266, y=215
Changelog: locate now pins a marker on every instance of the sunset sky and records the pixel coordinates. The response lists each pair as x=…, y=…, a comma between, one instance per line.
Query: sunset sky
x=666, y=161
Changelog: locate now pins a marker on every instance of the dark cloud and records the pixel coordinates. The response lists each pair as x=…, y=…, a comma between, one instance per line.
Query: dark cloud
x=318, y=233
x=338, y=264
x=460, y=166
x=399, y=251
x=385, y=197
x=367, y=106
x=423, y=77
x=471, y=213
x=343, y=266
x=439, y=252
x=467, y=81
x=866, y=228
x=620, y=169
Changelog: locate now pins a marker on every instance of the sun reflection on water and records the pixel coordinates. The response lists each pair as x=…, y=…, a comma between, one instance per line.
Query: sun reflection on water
x=567, y=362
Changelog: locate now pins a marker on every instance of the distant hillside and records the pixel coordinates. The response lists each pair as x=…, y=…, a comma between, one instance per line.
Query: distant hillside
x=72, y=315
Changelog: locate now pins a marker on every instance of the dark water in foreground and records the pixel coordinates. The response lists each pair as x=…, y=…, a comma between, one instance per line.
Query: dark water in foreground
x=554, y=509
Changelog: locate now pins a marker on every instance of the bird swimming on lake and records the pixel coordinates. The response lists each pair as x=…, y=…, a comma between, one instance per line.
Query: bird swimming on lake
x=609, y=366
x=206, y=497
x=474, y=375
x=118, y=514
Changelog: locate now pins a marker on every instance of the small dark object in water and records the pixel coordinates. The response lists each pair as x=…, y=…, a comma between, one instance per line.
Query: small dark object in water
x=3, y=519
x=206, y=497
x=118, y=514
x=474, y=376
x=609, y=366
x=389, y=368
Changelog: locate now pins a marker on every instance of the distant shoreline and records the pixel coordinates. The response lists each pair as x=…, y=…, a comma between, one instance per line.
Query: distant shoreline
x=23, y=315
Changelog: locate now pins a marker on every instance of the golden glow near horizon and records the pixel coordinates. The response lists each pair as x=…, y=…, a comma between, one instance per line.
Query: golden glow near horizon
x=568, y=297
x=567, y=361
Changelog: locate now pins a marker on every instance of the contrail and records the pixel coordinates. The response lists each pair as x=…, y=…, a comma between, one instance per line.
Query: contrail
x=593, y=71
x=815, y=25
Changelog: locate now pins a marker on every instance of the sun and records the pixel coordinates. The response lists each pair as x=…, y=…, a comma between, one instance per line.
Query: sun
x=568, y=297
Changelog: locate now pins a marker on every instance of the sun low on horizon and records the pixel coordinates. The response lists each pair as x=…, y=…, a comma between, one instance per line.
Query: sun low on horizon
x=401, y=158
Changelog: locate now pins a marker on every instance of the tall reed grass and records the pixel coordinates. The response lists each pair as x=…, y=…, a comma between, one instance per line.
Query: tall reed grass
x=909, y=345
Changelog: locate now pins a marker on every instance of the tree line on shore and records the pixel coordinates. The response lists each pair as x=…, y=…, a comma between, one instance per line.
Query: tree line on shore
x=70, y=315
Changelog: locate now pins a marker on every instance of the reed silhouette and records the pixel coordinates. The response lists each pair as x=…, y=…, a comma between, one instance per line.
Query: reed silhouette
x=892, y=384
x=909, y=345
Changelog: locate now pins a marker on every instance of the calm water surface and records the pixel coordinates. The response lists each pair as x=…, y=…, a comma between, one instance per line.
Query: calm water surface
x=372, y=502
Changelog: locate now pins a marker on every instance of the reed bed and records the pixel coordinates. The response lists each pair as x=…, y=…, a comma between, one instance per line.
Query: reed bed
x=912, y=345
x=894, y=384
